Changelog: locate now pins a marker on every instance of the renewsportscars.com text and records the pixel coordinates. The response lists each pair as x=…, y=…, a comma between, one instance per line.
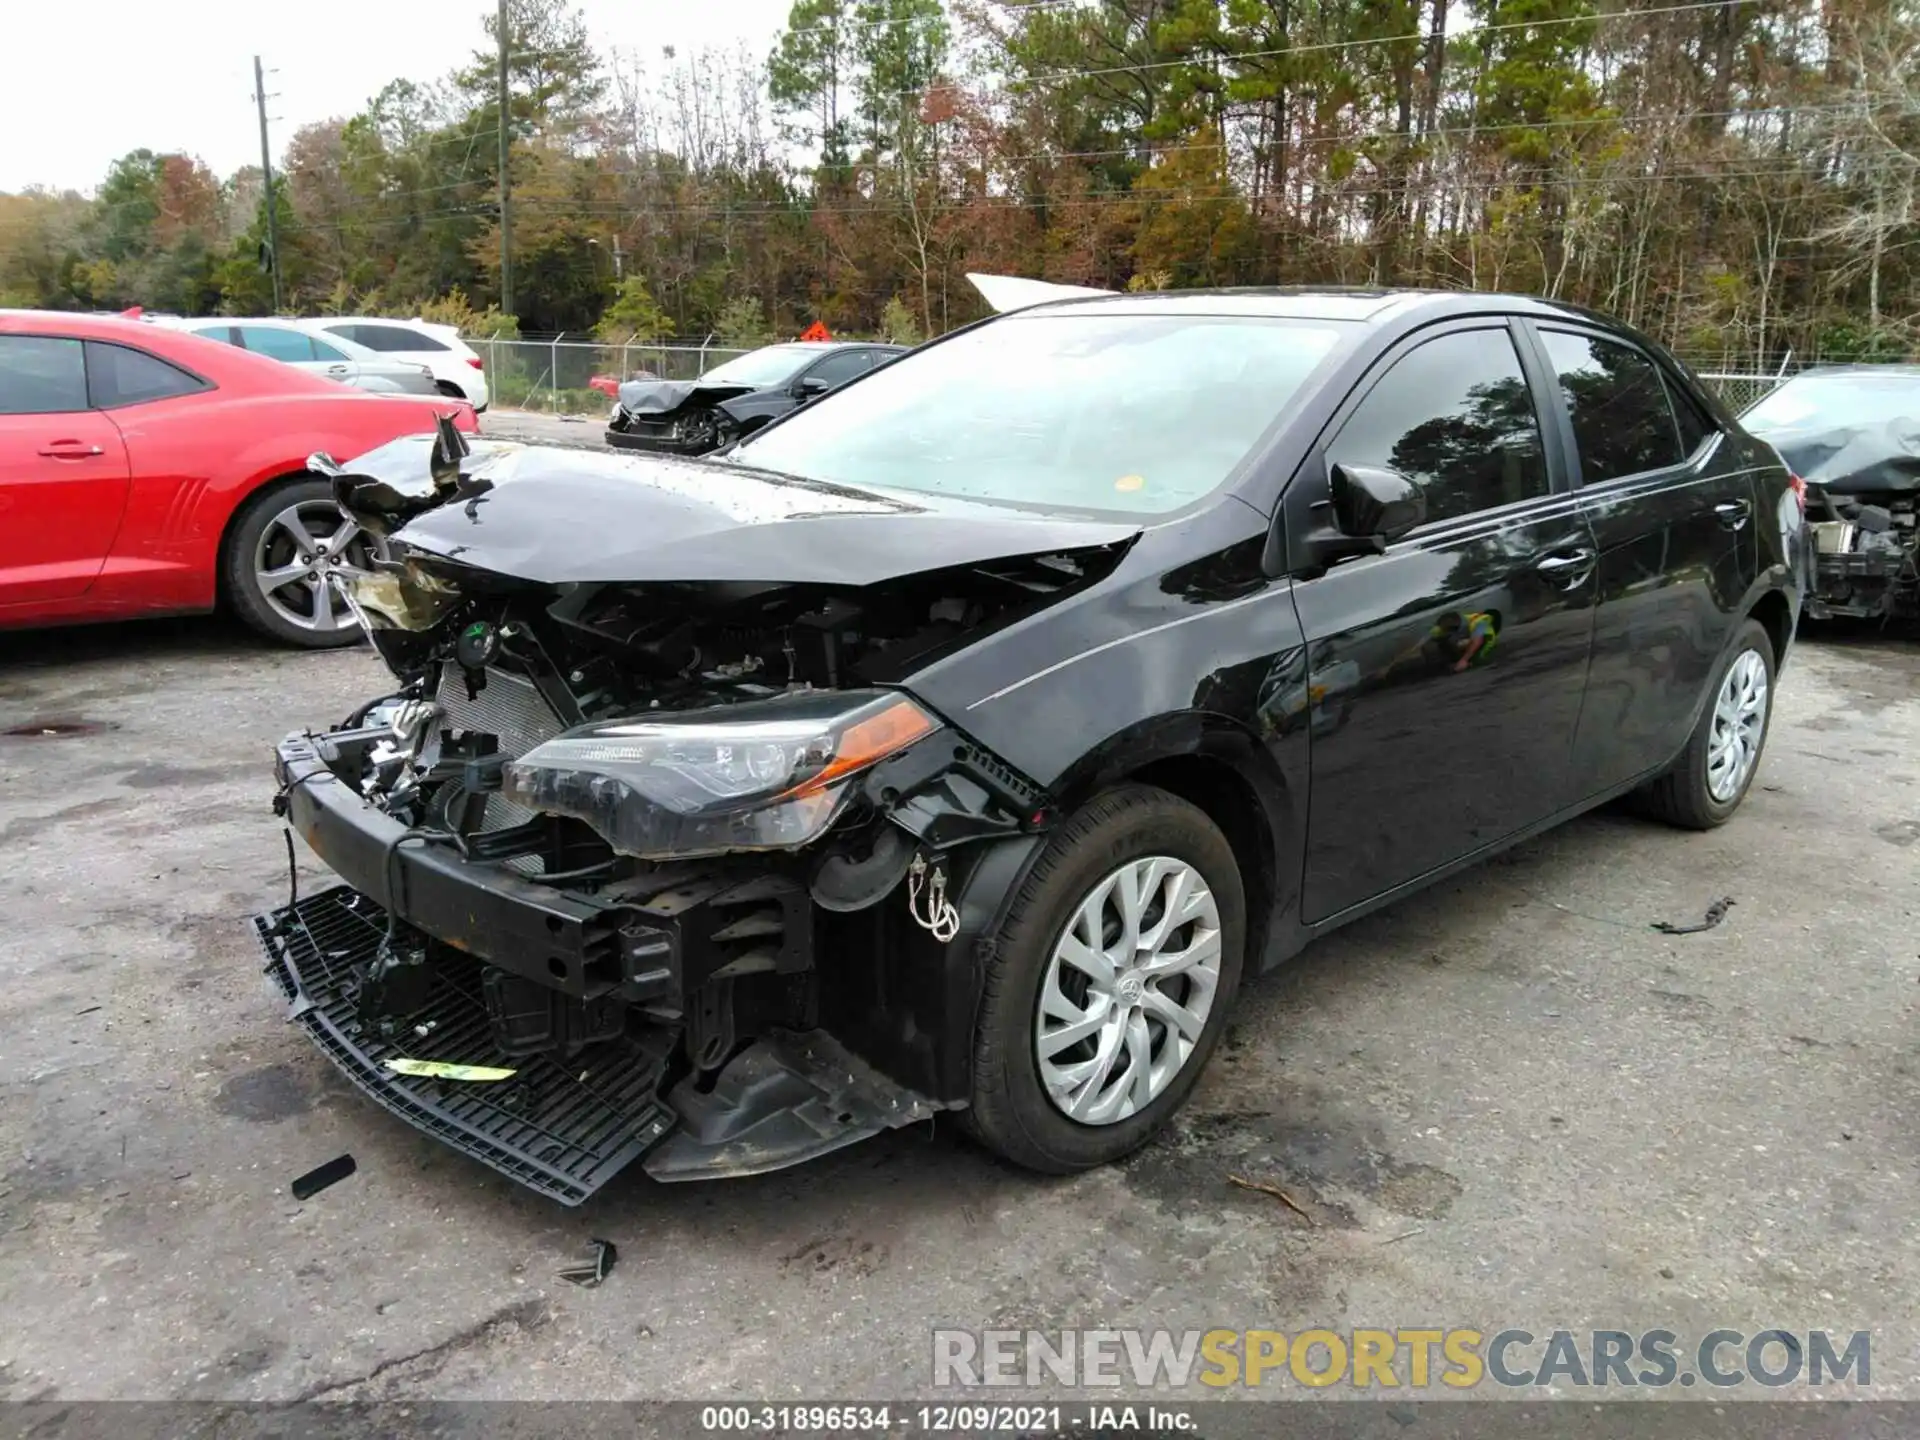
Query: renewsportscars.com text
x=1416, y=1359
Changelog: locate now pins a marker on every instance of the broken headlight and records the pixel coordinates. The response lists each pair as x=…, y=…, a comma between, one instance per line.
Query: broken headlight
x=766, y=775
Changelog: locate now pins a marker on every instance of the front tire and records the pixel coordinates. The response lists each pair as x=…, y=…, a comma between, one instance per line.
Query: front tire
x=1713, y=774
x=1109, y=983
x=288, y=551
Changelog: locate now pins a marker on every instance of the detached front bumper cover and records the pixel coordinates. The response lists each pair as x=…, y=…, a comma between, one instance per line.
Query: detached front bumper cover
x=562, y=1130
x=563, y=1126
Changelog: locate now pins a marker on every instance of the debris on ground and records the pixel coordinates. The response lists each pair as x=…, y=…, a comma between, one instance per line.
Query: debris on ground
x=445, y=1070
x=1266, y=1187
x=597, y=1266
x=321, y=1176
x=1716, y=912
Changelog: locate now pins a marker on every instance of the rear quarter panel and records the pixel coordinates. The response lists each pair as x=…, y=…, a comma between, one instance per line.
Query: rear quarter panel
x=196, y=460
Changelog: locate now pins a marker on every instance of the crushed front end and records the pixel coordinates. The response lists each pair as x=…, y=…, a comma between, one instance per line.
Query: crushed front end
x=1866, y=557
x=685, y=859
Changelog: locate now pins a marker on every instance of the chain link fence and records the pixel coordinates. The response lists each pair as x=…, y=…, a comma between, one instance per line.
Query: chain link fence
x=567, y=377
x=1737, y=392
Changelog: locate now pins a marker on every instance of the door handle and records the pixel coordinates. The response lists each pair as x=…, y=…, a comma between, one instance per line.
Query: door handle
x=336, y=369
x=1732, y=514
x=1569, y=568
x=71, y=450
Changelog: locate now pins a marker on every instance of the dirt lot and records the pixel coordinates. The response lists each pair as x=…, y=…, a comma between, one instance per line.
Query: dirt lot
x=1508, y=1101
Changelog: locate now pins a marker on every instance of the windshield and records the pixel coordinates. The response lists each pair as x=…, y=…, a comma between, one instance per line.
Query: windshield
x=761, y=368
x=1837, y=401
x=1121, y=412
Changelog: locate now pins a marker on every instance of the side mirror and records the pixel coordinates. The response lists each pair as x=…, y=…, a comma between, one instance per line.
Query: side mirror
x=808, y=386
x=1374, y=504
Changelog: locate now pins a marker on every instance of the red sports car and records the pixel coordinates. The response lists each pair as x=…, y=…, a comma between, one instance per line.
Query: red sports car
x=144, y=471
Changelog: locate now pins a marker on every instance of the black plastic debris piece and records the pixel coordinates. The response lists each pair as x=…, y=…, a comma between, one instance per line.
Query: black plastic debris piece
x=596, y=1267
x=1716, y=912
x=306, y=1186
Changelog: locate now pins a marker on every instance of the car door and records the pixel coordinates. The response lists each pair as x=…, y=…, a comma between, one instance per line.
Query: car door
x=1673, y=512
x=1452, y=661
x=64, y=474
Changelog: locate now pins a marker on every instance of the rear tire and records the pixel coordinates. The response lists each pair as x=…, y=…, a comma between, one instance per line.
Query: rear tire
x=1704, y=787
x=1170, y=853
x=264, y=541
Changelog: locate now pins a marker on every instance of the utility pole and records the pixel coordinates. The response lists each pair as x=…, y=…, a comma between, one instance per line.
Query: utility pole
x=506, y=185
x=618, y=273
x=266, y=177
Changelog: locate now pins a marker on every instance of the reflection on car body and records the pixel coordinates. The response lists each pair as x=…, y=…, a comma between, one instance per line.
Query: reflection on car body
x=961, y=741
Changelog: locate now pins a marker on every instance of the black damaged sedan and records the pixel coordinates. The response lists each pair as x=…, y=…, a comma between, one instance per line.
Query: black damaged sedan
x=730, y=401
x=963, y=742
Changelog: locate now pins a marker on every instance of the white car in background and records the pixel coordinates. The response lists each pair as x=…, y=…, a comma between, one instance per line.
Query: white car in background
x=329, y=356
x=456, y=369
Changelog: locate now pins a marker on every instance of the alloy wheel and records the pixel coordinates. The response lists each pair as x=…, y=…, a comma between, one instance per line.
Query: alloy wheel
x=305, y=556
x=1739, y=725
x=1127, y=990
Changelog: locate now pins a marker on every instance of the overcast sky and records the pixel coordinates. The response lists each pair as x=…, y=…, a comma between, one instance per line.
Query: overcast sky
x=89, y=80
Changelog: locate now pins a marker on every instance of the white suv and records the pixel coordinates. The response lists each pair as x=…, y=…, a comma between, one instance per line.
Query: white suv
x=456, y=369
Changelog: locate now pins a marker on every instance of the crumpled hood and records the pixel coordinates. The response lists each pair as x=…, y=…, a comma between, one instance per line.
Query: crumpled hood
x=1853, y=459
x=657, y=397
x=561, y=517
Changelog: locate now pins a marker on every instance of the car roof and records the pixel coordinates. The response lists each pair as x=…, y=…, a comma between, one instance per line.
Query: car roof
x=1324, y=302
x=74, y=322
x=403, y=323
x=1855, y=372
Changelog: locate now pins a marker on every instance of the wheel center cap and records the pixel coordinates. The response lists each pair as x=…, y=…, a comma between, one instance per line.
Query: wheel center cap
x=1129, y=989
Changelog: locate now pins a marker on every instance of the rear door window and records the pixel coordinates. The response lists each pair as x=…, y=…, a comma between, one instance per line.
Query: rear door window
x=1687, y=415
x=1454, y=416
x=120, y=375
x=293, y=346
x=395, y=339
x=1617, y=401
x=41, y=375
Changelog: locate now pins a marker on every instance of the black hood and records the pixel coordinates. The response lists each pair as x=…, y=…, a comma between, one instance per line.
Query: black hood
x=571, y=516
x=658, y=397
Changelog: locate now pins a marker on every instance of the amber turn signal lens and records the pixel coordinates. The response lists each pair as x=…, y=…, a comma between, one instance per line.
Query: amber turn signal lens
x=868, y=741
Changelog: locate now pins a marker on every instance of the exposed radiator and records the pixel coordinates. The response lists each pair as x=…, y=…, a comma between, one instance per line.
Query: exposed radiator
x=510, y=708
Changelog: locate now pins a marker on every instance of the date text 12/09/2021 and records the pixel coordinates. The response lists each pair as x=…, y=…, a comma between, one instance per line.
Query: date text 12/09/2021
x=941, y=1419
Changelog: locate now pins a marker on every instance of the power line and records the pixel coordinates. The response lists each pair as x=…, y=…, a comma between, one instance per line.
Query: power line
x=1296, y=145
x=1322, y=46
x=801, y=213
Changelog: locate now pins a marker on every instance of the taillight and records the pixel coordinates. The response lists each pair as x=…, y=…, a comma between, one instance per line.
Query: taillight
x=476, y=362
x=1799, y=488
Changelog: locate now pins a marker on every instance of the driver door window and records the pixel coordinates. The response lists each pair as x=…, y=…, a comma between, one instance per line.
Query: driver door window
x=1456, y=418
x=836, y=370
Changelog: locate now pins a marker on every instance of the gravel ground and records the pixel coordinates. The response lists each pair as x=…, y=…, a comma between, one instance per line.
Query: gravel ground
x=1507, y=1101
x=573, y=431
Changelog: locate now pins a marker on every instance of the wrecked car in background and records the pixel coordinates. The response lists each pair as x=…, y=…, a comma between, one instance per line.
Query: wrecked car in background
x=949, y=745
x=693, y=417
x=1853, y=435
